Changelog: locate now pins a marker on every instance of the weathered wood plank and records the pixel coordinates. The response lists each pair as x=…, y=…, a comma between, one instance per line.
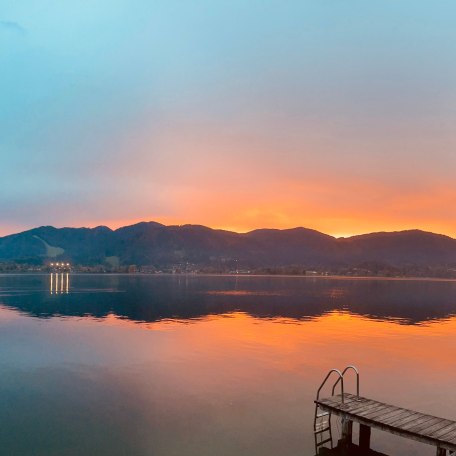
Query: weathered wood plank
x=376, y=414
x=402, y=423
x=428, y=430
x=368, y=408
x=336, y=401
x=354, y=402
x=355, y=406
x=394, y=419
x=395, y=411
x=424, y=423
x=443, y=431
x=421, y=420
x=452, y=439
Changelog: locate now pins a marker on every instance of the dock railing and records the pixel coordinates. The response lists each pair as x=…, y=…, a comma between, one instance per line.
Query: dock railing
x=342, y=378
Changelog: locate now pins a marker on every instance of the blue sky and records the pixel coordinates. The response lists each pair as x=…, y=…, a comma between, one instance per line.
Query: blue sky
x=237, y=114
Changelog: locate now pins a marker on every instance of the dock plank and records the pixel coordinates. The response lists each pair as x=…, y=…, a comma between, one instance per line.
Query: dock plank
x=403, y=422
x=431, y=427
x=394, y=419
x=387, y=409
x=441, y=433
x=423, y=423
x=392, y=413
x=368, y=408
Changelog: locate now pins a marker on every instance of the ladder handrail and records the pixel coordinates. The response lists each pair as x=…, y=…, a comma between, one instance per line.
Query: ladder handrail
x=325, y=426
x=342, y=376
x=340, y=379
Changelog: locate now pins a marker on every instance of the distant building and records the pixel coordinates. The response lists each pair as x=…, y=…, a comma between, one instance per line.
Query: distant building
x=59, y=266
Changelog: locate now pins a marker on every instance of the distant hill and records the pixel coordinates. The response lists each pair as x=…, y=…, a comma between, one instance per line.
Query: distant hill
x=151, y=243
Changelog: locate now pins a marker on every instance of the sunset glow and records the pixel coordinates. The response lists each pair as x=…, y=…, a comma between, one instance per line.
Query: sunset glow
x=233, y=115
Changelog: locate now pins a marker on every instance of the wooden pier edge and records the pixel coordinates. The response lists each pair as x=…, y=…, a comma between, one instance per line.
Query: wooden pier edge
x=395, y=420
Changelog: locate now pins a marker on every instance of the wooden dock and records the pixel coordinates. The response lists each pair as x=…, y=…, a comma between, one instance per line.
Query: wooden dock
x=439, y=432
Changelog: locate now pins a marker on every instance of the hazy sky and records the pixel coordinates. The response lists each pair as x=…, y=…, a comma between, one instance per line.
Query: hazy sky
x=334, y=115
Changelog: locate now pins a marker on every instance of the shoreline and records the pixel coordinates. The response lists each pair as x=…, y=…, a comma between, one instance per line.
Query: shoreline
x=288, y=276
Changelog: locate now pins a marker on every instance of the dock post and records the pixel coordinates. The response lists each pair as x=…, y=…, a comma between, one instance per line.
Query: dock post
x=364, y=436
x=347, y=430
x=441, y=452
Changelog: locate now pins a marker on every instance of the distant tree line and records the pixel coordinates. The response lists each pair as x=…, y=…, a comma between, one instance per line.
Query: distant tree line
x=366, y=269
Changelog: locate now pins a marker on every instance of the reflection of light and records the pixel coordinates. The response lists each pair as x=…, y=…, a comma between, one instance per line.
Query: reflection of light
x=59, y=282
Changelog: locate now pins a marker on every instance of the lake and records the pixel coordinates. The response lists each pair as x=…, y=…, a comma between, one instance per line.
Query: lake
x=212, y=365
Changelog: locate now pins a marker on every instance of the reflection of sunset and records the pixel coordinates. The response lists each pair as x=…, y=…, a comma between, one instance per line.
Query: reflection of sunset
x=245, y=352
x=244, y=376
x=293, y=341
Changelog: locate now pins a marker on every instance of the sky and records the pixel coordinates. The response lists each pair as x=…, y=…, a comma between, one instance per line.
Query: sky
x=328, y=114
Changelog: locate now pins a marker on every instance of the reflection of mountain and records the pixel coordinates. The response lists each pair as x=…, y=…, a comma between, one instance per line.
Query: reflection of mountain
x=155, y=244
x=152, y=298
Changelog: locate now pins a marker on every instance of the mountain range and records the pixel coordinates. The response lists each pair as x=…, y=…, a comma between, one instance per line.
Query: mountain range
x=157, y=245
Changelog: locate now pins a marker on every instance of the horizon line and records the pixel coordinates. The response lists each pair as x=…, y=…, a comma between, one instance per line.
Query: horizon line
x=229, y=229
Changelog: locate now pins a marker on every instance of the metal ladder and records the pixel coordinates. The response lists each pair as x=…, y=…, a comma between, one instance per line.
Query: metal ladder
x=322, y=419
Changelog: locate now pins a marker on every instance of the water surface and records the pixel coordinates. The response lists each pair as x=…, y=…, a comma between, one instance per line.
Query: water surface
x=192, y=365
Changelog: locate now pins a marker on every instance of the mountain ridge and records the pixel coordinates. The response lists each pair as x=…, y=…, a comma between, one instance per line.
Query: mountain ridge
x=158, y=245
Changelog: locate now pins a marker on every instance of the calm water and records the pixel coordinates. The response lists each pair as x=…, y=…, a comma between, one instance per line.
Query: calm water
x=167, y=365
